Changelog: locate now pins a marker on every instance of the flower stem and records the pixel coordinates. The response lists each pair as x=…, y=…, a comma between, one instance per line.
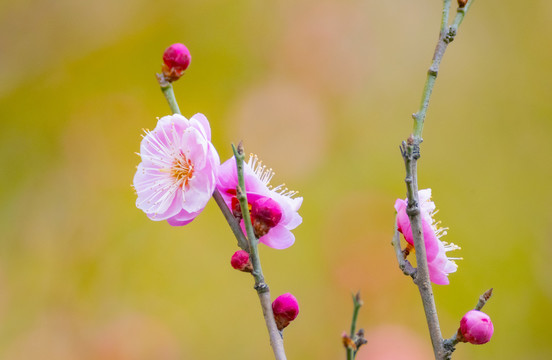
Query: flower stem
x=167, y=89
x=357, y=304
x=262, y=288
x=446, y=36
x=410, y=151
x=404, y=264
x=232, y=221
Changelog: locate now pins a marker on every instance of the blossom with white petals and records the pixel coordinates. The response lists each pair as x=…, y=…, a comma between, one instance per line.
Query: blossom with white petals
x=177, y=175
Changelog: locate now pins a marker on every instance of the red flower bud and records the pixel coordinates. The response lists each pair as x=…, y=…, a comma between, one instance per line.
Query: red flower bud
x=476, y=327
x=176, y=59
x=265, y=214
x=285, y=309
x=240, y=261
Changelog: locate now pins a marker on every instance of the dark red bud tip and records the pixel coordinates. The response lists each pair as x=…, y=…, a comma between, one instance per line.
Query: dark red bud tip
x=240, y=261
x=476, y=327
x=285, y=308
x=462, y=3
x=176, y=59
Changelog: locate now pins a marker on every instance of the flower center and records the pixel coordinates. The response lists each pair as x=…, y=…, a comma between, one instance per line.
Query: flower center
x=182, y=170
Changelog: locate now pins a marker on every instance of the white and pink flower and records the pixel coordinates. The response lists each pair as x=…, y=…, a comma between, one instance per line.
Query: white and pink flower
x=275, y=210
x=439, y=265
x=178, y=172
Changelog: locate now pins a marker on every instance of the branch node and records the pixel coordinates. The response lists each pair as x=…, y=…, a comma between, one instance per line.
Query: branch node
x=451, y=34
x=261, y=287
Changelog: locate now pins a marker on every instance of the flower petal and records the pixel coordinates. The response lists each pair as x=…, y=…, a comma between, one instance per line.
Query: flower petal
x=200, y=122
x=278, y=238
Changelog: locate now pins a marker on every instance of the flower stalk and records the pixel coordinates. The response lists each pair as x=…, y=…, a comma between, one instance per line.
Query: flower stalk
x=276, y=341
x=167, y=89
x=446, y=36
x=410, y=151
x=355, y=340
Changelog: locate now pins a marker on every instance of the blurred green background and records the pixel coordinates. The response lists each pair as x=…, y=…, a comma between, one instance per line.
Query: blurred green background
x=322, y=91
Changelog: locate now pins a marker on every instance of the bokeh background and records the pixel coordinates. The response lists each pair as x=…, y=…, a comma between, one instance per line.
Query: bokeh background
x=322, y=91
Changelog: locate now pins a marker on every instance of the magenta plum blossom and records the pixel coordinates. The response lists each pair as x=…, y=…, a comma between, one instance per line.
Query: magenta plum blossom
x=177, y=175
x=285, y=308
x=476, y=327
x=276, y=208
x=438, y=263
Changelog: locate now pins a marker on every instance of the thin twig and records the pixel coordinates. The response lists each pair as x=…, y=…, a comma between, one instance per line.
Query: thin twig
x=410, y=154
x=231, y=220
x=354, y=340
x=483, y=299
x=263, y=291
x=405, y=265
x=446, y=36
x=410, y=151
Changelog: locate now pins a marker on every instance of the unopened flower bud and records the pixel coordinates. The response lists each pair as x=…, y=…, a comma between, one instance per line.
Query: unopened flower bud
x=285, y=309
x=462, y=3
x=348, y=343
x=240, y=261
x=176, y=59
x=476, y=327
x=265, y=214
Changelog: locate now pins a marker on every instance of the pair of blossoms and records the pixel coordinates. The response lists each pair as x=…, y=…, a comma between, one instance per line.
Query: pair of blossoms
x=179, y=172
x=181, y=168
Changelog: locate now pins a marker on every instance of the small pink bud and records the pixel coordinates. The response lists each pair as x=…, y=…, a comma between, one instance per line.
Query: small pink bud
x=176, y=59
x=265, y=214
x=240, y=261
x=285, y=309
x=476, y=327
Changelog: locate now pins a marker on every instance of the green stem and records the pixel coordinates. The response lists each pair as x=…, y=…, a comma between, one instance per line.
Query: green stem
x=460, y=14
x=445, y=15
x=167, y=89
x=357, y=303
x=262, y=288
x=242, y=198
x=446, y=36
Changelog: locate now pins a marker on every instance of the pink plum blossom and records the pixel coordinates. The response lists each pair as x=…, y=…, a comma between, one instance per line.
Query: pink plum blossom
x=476, y=327
x=177, y=175
x=277, y=214
x=285, y=308
x=439, y=265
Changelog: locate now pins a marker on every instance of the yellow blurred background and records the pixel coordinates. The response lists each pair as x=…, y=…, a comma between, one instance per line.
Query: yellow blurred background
x=322, y=91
